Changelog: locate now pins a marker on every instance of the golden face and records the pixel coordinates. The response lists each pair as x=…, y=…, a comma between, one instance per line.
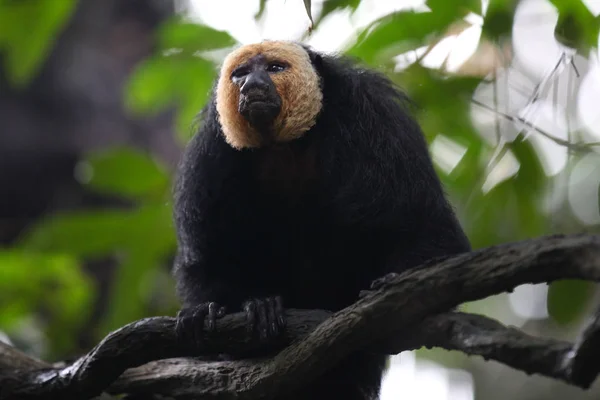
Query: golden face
x=297, y=86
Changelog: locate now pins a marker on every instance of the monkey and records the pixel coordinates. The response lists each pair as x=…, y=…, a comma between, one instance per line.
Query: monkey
x=307, y=179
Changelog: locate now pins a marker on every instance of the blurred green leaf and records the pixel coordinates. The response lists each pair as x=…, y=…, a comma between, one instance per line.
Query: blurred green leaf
x=261, y=9
x=443, y=103
x=192, y=37
x=151, y=242
x=176, y=76
x=530, y=183
x=307, y=8
x=456, y=9
x=126, y=302
x=330, y=6
x=199, y=76
x=443, y=107
x=511, y=210
x=577, y=27
x=498, y=20
x=178, y=80
x=127, y=172
x=150, y=88
x=398, y=32
x=52, y=282
x=28, y=30
x=143, y=238
x=567, y=299
x=98, y=232
x=81, y=233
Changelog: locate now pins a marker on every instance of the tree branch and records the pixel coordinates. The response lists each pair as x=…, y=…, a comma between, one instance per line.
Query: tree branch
x=581, y=147
x=402, y=312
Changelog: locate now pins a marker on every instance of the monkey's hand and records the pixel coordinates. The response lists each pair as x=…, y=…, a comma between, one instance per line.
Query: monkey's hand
x=378, y=283
x=190, y=320
x=266, y=316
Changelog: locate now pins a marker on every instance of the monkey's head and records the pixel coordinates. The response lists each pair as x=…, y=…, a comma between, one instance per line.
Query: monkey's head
x=267, y=93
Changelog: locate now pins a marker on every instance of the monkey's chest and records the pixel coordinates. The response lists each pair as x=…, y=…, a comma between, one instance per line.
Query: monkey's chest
x=287, y=174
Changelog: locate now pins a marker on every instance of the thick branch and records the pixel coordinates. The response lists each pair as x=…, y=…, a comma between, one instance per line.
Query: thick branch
x=471, y=334
x=375, y=318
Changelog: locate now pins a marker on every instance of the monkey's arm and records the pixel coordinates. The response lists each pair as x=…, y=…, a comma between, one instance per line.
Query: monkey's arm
x=218, y=266
x=203, y=212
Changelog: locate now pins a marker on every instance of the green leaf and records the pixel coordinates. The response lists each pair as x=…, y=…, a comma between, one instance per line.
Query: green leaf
x=192, y=37
x=307, y=7
x=81, y=233
x=99, y=232
x=181, y=79
x=400, y=31
x=152, y=241
x=529, y=183
x=126, y=301
x=456, y=8
x=531, y=177
x=150, y=88
x=567, y=299
x=199, y=76
x=185, y=81
x=54, y=283
x=444, y=103
x=28, y=30
x=498, y=19
x=576, y=27
x=329, y=6
x=510, y=211
x=144, y=238
x=261, y=9
x=127, y=172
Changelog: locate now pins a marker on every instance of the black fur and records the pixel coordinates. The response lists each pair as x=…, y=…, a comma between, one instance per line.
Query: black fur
x=372, y=205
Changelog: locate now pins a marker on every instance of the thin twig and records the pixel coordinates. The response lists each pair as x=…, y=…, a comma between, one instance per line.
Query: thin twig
x=582, y=147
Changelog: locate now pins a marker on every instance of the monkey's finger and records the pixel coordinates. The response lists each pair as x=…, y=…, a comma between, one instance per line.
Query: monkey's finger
x=262, y=319
x=182, y=328
x=279, y=311
x=221, y=312
x=212, y=316
x=184, y=325
x=382, y=281
x=198, y=321
x=250, y=309
x=271, y=317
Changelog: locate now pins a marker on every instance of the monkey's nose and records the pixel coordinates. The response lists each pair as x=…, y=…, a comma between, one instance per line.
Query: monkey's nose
x=255, y=83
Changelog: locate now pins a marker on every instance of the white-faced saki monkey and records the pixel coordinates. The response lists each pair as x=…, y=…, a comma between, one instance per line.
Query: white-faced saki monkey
x=307, y=180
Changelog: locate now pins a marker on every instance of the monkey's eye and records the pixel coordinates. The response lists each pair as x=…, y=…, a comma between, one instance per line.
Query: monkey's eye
x=239, y=72
x=275, y=67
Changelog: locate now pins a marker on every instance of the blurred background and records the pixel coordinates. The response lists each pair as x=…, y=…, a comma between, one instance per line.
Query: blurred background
x=97, y=98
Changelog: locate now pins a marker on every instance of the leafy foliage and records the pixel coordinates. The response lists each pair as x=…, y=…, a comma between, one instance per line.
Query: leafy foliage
x=127, y=172
x=499, y=19
x=51, y=282
x=178, y=74
x=577, y=27
x=568, y=299
x=27, y=30
x=398, y=32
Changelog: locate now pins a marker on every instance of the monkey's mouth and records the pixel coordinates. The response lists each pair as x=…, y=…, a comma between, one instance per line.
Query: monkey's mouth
x=260, y=111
